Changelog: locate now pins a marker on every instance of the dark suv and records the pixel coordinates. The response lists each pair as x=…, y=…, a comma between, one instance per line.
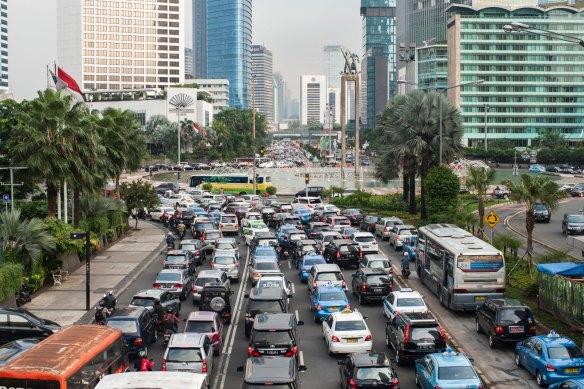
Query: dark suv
x=138, y=326
x=18, y=323
x=343, y=252
x=271, y=372
x=311, y=191
x=504, y=321
x=413, y=335
x=274, y=334
x=264, y=300
x=541, y=213
x=367, y=370
x=371, y=284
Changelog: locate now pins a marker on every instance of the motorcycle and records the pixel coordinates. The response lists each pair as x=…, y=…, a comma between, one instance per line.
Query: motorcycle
x=181, y=234
x=22, y=296
x=166, y=337
x=99, y=318
x=109, y=302
x=406, y=272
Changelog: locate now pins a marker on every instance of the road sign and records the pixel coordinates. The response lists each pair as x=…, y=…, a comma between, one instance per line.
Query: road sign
x=6, y=198
x=492, y=219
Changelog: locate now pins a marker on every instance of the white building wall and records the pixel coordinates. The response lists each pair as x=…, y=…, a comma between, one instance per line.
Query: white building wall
x=204, y=113
x=219, y=90
x=69, y=38
x=313, y=98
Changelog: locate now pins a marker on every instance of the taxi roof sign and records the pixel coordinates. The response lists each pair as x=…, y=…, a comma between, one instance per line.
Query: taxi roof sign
x=406, y=290
x=346, y=311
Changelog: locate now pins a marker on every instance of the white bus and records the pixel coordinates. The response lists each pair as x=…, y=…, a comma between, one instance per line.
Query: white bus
x=153, y=380
x=461, y=269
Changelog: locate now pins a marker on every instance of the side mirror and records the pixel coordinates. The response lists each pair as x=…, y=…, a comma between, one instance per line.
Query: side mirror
x=302, y=368
x=246, y=295
x=365, y=317
x=290, y=296
x=300, y=323
x=471, y=360
x=240, y=369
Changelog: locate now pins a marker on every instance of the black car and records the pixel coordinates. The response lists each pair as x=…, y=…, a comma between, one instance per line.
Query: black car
x=313, y=228
x=311, y=191
x=371, y=284
x=187, y=217
x=354, y=215
x=163, y=187
x=179, y=259
x=367, y=370
x=573, y=224
x=413, y=335
x=505, y=321
x=18, y=323
x=343, y=252
x=275, y=219
x=277, y=372
x=217, y=298
x=264, y=300
x=263, y=239
x=193, y=248
x=577, y=191
x=368, y=223
x=138, y=325
x=201, y=225
x=542, y=213
x=274, y=334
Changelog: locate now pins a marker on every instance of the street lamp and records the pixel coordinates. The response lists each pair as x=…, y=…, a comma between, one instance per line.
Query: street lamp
x=475, y=82
x=522, y=27
x=78, y=236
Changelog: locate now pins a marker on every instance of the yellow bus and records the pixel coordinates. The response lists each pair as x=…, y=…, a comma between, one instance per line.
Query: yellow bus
x=231, y=183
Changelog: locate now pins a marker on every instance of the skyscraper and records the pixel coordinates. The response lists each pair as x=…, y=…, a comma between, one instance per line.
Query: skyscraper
x=313, y=99
x=121, y=44
x=200, y=38
x=189, y=71
x=262, y=71
x=378, y=67
x=229, y=29
x=334, y=63
x=4, y=43
x=282, y=97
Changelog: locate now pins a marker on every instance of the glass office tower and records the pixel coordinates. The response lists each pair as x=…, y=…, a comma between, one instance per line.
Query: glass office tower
x=229, y=33
x=200, y=38
x=378, y=67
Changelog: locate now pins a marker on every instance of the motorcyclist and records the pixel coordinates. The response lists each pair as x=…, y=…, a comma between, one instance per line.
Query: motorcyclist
x=170, y=240
x=170, y=321
x=101, y=312
x=110, y=301
x=159, y=312
x=181, y=228
x=405, y=261
x=145, y=364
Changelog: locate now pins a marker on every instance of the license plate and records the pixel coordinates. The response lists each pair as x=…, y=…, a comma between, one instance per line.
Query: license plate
x=573, y=370
x=479, y=298
x=185, y=370
x=271, y=352
x=377, y=290
x=166, y=286
x=352, y=340
x=332, y=309
x=516, y=329
x=425, y=347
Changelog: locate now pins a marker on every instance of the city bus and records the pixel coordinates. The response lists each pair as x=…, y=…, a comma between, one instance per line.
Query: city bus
x=232, y=183
x=461, y=269
x=154, y=379
x=76, y=357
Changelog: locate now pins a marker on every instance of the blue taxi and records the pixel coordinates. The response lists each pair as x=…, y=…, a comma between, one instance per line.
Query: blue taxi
x=326, y=300
x=446, y=370
x=281, y=232
x=304, y=214
x=568, y=384
x=306, y=264
x=409, y=246
x=551, y=358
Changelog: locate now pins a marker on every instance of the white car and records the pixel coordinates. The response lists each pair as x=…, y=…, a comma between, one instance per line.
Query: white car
x=405, y=300
x=328, y=207
x=346, y=332
x=305, y=202
x=266, y=165
x=366, y=241
x=181, y=198
x=250, y=231
x=275, y=281
x=158, y=211
x=398, y=233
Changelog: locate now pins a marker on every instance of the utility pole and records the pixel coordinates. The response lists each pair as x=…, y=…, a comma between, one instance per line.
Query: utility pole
x=12, y=184
x=253, y=113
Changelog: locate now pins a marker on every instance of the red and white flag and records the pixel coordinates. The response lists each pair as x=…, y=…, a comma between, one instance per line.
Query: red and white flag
x=205, y=134
x=196, y=128
x=70, y=81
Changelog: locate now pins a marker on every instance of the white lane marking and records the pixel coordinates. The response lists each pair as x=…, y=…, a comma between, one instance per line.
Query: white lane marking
x=289, y=265
x=293, y=289
x=297, y=316
x=228, y=346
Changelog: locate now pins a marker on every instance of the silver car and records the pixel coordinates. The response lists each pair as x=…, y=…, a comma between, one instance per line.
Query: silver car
x=209, y=277
x=258, y=268
x=176, y=281
x=189, y=352
x=227, y=261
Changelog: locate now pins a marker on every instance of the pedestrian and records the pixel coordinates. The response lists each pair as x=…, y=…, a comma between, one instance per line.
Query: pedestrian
x=145, y=213
x=222, y=191
x=135, y=216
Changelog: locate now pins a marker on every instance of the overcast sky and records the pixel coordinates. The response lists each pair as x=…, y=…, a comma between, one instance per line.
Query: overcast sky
x=295, y=31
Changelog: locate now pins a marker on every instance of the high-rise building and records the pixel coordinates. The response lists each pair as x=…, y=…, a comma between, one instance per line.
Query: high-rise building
x=4, y=44
x=121, y=44
x=200, y=38
x=334, y=63
x=378, y=67
x=312, y=98
x=431, y=66
x=229, y=31
x=294, y=109
x=532, y=83
x=218, y=89
x=263, y=79
x=189, y=71
x=283, y=98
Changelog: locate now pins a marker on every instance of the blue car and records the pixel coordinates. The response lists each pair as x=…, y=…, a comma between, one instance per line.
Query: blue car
x=305, y=214
x=409, y=246
x=326, y=300
x=13, y=349
x=265, y=253
x=281, y=232
x=536, y=169
x=446, y=370
x=569, y=384
x=550, y=358
x=306, y=264
x=216, y=215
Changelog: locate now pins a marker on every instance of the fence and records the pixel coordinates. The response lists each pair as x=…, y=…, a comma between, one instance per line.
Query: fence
x=563, y=296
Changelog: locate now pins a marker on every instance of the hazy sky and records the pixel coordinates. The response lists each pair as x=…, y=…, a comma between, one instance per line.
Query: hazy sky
x=295, y=31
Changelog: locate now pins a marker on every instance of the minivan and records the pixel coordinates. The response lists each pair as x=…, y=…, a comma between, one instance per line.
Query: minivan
x=189, y=352
x=324, y=274
x=228, y=224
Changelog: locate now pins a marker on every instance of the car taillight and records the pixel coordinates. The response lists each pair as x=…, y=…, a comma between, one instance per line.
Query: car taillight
x=236, y=265
x=194, y=289
x=407, y=334
x=314, y=284
x=352, y=384
x=252, y=352
x=220, y=225
x=368, y=337
x=138, y=342
x=532, y=330
x=178, y=286
x=204, y=370
x=481, y=387
x=386, y=229
x=294, y=351
x=185, y=263
x=499, y=330
x=364, y=286
x=164, y=365
x=437, y=387
x=215, y=337
x=212, y=265
x=338, y=254
x=442, y=333
x=549, y=367
x=256, y=275
x=318, y=307
x=360, y=253
x=374, y=242
x=156, y=286
x=344, y=285
x=395, y=383
x=335, y=339
x=198, y=252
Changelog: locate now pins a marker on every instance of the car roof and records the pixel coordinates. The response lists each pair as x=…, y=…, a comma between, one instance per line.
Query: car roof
x=189, y=241
x=127, y=312
x=269, y=369
x=274, y=321
x=228, y=240
x=164, y=271
x=176, y=252
x=556, y=340
x=339, y=242
x=202, y=316
x=347, y=315
x=330, y=289
x=265, y=294
x=370, y=359
x=210, y=273
x=187, y=339
x=376, y=257
x=507, y=303
x=224, y=252
x=406, y=292
x=406, y=226
x=362, y=233
x=373, y=270
x=451, y=358
x=264, y=235
x=392, y=218
x=154, y=293
x=326, y=267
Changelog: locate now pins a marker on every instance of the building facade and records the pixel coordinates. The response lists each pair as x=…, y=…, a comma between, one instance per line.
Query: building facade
x=432, y=67
x=531, y=83
x=189, y=70
x=282, y=97
x=229, y=32
x=113, y=45
x=334, y=63
x=313, y=98
x=263, y=79
x=218, y=89
x=4, y=46
x=199, y=38
x=379, y=63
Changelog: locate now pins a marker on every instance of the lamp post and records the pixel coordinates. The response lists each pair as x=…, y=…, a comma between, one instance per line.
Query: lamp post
x=440, y=90
x=523, y=27
x=77, y=236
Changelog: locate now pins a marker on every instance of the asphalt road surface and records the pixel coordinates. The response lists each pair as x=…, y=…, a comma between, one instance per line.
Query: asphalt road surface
x=497, y=365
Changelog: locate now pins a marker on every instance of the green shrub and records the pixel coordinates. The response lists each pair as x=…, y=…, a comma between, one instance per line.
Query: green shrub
x=442, y=190
x=206, y=186
x=11, y=277
x=62, y=231
x=32, y=209
x=271, y=190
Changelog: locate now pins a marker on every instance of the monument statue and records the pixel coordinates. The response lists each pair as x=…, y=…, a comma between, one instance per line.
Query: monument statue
x=351, y=60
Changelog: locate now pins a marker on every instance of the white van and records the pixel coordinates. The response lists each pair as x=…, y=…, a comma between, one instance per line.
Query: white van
x=306, y=202
x=154, y=380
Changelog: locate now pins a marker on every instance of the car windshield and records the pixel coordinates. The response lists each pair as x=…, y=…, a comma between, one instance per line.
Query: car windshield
x=229, y=219
x=576, y=219
x=266, y=266
x=364, y=239
x=410, y=302
x=377, y=279
x=259, y=306
x=313, y=261
x=564, y=352
x=265, y=253
x=332, y=276
x=202, y=281
x=425, y=333
x=408, y=232
x=224, y=246
x=379, y=264
x=212, y=235
x=224, y=260
x=175, y=258
x=456, y=373
x=374, y=373
x=205, y=226
x=200, y=327
x=540, y=207
x=350, y=325
x=513, y=315
x=184, y=355
x=143, y=301
x=332, y=296
x=348, y=248
x=188, y=247
x=127, y=326
x=271, y=338
x=168, y=277
x=8, y=351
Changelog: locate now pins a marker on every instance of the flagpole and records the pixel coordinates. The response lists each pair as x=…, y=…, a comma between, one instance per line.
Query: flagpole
x=48, y=78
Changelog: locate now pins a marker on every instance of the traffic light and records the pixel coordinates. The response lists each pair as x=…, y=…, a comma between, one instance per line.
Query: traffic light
x=306, y=178
x=262, y=151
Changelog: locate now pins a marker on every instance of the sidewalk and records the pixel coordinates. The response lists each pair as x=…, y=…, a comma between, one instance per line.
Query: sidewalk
x=113, y=269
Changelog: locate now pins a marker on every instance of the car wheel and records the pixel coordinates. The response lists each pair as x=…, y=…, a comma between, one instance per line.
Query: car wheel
x=315, y=317
x=478, y=326
x=517, y=359
x=440, y=296
x=492, y=343
x=539, y=379
x=396, y=247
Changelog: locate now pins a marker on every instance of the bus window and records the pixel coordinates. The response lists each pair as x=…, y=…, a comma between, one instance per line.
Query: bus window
x=260, y=180
x=435, y=259
x=268, y=179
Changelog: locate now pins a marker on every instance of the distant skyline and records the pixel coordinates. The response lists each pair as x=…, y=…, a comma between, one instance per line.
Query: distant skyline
x=296, y=31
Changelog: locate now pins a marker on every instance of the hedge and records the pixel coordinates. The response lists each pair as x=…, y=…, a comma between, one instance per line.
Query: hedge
x=11, y=276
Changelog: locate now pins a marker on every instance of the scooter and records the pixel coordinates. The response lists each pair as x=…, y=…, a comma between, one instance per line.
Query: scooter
x=22, y=296
x=166, y=337
x=181, y=234
x=406, y=271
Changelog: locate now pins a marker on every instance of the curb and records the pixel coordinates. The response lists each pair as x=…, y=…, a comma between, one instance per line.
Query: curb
x=125, y=283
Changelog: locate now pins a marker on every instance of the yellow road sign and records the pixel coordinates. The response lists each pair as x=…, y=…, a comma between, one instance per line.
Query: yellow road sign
x=492, y=219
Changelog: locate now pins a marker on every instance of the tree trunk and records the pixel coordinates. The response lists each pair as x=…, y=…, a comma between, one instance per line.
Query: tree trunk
x=481, y=211
x=52, y=200
x=118, y=186
x=76, y=195
x=423, y=172
x=529, y=225
x=412, y=185
x=406, y=186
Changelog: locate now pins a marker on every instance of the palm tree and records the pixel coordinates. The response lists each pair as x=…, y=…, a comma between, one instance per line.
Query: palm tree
x=478, y=180
x=532, y=190
x=26, y=239
x=95, y=210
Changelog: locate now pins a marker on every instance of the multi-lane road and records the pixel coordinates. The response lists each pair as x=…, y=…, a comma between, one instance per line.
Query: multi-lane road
x=496, y=365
